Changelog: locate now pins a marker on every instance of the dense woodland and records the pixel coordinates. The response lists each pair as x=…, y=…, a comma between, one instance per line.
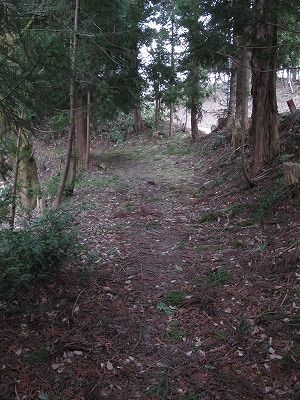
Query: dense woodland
x=71, y=66
x=83, y=81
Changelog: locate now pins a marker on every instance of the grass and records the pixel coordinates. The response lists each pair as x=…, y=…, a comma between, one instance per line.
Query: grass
x=112, y=250
x=199, y=192
x=172, y=150
x=238, y=209
x=244, y=327
x=292, y=358
x=53, y=395
x=113, y=157
x=239, y=244
x=39, y=356
x=162, y=388
x=175, y=298
x=219, y=181
x=165, y=308
x=285, y=157
x=173, y=336
x=209, y=216
x=153, y=225
x=266, y=204
x=218, y=277
x=221, y=336
x=104, y=321
x=219, y=141
x=103, y=182
x=244, y=222
x=182, y=245
x=130, y=207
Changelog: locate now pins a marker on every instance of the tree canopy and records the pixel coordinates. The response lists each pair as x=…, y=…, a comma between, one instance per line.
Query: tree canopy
x=42, y=53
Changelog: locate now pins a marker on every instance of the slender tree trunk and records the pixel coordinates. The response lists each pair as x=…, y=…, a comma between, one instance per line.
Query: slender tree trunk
x=15, y=184
x=73, y=168
x=88, y=131
x=171, y=126
x=138, y=121
x=157, y=109
x=232, y=98
x=71, y=134
x=240, y=125
x=28, y=175
x=264, y=123
x=80, y=129
x=186, y=119
x=194, y=121
x=195, y=102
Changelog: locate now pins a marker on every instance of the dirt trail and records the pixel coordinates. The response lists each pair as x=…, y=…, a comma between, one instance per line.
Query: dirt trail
x=178, y=306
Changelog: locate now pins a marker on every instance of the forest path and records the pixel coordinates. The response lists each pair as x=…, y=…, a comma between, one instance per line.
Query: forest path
x=177, y=322
x=193, y=293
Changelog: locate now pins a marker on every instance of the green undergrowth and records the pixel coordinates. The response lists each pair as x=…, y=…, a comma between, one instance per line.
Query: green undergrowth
x=173, y=336
x=39, y=356
x=247, y=214
x=111, y=157
x=54, y=394
x=175, y=298
x=218, y=277
x=176, y=149
x=36, y=251
x=103, y=182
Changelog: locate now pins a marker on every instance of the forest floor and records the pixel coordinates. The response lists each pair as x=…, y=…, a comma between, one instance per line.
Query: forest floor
x=195, y=288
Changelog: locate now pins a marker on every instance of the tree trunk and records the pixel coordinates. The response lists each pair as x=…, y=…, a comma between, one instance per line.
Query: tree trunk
x=80, y=129
x=171, y=126
x=138, y=121
x=73, y=169
x=88, y=131
x=186, y=119
x=15, y=183
x=194, y=100
x=172, y=80
x=71, y=134
x=27, y=175
x=232, y=98
x=194, y=120
x=157, y=109
x=240, y=125
x=264, y=123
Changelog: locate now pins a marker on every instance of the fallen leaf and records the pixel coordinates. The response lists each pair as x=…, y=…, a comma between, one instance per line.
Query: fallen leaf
x=275, y=357
x=56, y=366
x=109, y=366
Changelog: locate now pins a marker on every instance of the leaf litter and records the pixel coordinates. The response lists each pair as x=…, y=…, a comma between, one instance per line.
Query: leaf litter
x=234, y=334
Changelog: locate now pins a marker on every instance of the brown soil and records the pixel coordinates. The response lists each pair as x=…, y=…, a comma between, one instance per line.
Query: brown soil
x=195, y=292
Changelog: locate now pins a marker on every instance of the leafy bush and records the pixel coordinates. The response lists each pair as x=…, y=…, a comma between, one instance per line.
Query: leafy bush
x=35, y=251
x=118, y=129
x=52, y=183
x=5, y=201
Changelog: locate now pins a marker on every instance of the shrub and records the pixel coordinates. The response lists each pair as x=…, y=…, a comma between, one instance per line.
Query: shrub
x=5, y=202
x=35, y=251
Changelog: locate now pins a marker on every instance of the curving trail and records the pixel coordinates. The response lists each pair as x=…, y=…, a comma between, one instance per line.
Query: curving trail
x=181, y=303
